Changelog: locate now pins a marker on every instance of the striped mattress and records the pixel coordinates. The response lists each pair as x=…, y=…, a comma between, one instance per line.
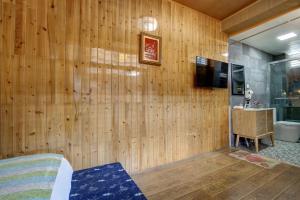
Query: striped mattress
x=29, y=177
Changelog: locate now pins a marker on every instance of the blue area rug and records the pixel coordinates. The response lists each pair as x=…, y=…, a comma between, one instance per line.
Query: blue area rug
x=105, y=182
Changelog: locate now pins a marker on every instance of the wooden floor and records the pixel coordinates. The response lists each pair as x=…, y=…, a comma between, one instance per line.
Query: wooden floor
x=219, y=176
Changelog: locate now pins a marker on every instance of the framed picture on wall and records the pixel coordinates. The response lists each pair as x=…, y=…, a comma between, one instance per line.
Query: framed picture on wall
x=237, y=80
x=150, y=49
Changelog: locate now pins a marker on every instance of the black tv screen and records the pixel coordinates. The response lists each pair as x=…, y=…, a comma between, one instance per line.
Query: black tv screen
x=211, y=73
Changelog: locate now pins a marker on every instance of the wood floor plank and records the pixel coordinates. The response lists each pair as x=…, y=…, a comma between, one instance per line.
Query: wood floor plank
x=175, y=165
x=207, y=183
x=219, y=176
x=183, y=165
x=250, y=184
x=293, y=192
x=222, y=182
x=168, y=178
x=273, y=188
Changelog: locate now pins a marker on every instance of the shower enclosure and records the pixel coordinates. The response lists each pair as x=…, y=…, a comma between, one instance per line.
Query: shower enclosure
x=284, y=89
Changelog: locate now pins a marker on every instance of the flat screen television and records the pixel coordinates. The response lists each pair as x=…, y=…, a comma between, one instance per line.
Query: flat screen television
x=211, y=73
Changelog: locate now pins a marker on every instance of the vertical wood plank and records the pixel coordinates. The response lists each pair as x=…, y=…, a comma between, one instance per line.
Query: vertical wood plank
x=71, y=82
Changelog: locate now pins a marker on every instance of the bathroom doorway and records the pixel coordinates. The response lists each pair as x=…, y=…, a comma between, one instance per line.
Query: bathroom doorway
x=270, y=54
x=284, y=91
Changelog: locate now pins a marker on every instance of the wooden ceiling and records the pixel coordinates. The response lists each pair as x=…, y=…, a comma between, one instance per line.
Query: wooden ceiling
x=219, y=9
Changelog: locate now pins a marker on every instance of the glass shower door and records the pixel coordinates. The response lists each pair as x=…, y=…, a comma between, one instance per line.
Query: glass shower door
x=285, y=89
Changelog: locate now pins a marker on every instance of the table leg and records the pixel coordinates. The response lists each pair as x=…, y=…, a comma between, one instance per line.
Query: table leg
x=256, y=144
x=237, y=141
x=272, y=139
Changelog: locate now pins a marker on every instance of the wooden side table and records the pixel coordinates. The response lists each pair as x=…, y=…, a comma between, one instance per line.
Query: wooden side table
x=253, y=124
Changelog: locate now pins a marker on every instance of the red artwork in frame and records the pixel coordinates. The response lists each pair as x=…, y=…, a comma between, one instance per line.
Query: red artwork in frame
x=150, y=49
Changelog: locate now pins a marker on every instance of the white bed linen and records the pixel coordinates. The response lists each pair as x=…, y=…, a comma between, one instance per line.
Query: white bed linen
x=62, y=184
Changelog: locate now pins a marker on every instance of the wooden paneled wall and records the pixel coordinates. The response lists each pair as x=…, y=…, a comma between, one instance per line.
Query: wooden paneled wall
x=71, y=82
